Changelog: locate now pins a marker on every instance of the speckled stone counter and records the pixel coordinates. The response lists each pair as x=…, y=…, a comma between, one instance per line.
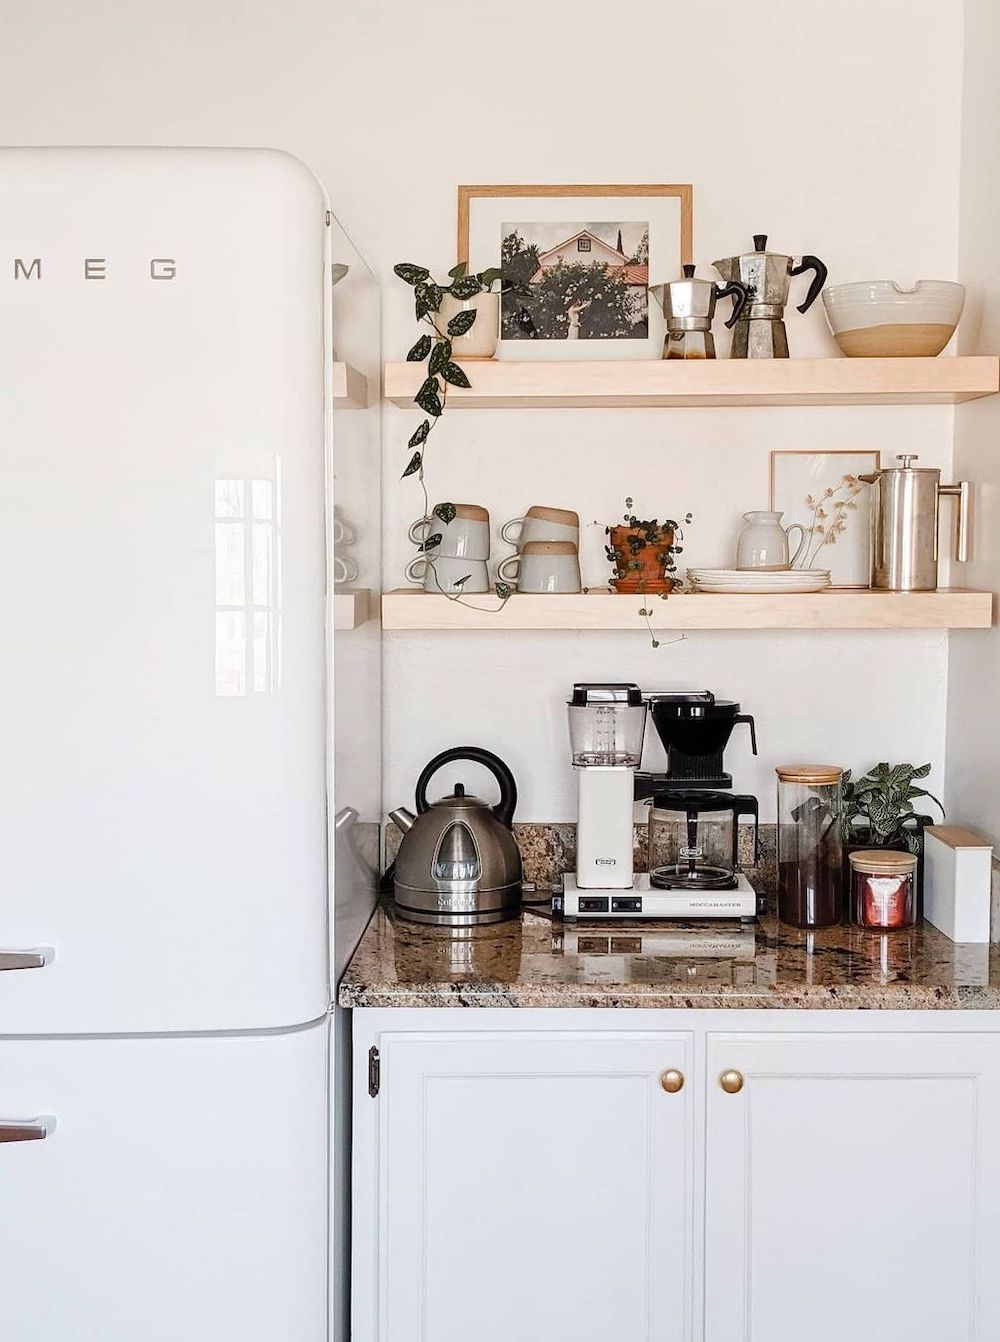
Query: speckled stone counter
x=534, y=961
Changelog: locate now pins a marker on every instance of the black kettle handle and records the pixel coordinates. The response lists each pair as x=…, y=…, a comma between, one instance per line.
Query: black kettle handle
x=735, y=290
x=819, y=279
x=504, y=809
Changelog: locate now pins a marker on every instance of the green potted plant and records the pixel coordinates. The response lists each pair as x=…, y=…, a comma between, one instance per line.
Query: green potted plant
x=436, y=348
x=878, y=812
x=643, y=554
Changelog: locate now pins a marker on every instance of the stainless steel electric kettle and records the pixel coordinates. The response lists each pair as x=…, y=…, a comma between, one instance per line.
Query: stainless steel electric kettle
x=458, y=863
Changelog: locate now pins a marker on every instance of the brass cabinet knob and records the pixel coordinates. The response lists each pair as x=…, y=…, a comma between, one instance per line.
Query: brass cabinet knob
x=731, y=1081
x=672, y=1080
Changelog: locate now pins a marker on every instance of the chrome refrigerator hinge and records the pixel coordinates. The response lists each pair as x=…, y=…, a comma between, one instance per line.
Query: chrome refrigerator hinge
x=374, y=1071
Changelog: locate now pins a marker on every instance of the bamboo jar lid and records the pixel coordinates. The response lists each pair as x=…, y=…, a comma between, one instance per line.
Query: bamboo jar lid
x=883, y=862
x=809, y=773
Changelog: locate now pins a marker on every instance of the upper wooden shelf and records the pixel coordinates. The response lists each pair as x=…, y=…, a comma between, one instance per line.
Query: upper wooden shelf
x=350, y=388
x=836, y=609
x=498, y=384
x=352, y=607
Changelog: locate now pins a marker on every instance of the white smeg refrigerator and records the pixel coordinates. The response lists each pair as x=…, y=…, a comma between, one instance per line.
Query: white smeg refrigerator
x=163, y=908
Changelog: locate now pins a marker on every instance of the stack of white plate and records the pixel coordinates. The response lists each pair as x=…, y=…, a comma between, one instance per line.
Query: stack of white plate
x=722, y=580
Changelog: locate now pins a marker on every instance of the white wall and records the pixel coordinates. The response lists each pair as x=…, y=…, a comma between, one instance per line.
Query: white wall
x=844, y=142
x=973, y=777
x=834, y=147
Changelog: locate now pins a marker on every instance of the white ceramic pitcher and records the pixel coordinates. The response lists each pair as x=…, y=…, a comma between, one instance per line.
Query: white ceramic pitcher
x=764, y=542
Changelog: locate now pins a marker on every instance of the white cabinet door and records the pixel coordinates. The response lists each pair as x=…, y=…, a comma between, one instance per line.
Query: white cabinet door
x=181, y=1196
x=532, y=1186
x=853, y=1188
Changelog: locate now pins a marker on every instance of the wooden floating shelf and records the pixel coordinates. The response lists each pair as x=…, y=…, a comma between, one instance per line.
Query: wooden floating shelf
x=837, y=609
x=350, y=388
x=351, y=608
x=499, y=384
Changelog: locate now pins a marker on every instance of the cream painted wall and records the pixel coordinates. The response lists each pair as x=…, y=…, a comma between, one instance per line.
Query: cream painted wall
x=839, y=152
x=844, y=143
x=973, y=774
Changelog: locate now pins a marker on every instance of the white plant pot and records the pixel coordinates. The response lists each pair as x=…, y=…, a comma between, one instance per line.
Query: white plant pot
x=481, y=341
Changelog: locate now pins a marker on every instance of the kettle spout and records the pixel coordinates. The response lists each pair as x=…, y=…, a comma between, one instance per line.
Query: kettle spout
x=402, y=819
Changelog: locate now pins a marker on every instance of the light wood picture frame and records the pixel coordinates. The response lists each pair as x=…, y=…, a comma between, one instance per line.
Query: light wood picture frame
x=594, y=305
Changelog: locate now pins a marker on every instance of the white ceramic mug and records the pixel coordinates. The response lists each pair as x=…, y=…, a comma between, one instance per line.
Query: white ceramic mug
x=763, y=542
x=543, y=566
x=343, y=532
x=345, y=569
x=542, y=524
x=466, y=536
x=443, y=573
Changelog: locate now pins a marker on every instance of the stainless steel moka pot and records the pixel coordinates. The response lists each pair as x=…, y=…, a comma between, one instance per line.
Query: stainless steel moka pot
x=906, y=525
x=458, y=863
x=689, y=306
x=760, y=330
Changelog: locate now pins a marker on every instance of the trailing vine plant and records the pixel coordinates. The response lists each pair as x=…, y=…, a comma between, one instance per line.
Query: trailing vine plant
x=435, y=348
x=634, y=536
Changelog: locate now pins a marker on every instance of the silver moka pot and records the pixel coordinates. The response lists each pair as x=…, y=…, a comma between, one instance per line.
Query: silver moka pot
x=458, y=863
x=906, y=525
x=689, y=306
x=760, y=330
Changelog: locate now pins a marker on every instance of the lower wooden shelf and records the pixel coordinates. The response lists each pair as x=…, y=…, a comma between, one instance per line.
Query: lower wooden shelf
x=948, y=608
x=350, y=387
x=351, y=607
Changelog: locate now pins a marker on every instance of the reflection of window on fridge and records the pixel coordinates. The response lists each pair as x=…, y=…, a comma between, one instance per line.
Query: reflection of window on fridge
x=248, y=585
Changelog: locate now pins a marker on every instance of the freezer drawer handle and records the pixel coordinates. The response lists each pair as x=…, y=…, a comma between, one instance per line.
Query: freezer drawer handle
x=36, y=959
x=26, y=1129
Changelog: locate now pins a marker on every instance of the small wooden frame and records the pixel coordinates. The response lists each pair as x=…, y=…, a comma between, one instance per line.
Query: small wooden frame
x=684, y=191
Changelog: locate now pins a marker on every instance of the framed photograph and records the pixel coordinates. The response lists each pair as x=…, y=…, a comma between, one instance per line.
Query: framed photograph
x=821, y=491
x=584, y=257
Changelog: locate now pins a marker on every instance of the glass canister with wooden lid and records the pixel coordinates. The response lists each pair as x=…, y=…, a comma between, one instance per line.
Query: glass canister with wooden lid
x=810, y=845
x=883, y=889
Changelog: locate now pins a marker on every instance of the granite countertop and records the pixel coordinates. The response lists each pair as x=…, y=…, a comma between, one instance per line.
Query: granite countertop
x=534, y=961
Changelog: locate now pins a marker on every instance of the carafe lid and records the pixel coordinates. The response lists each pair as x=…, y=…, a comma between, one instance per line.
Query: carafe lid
x=691, y=799
x=622, y=695
x=809, y=773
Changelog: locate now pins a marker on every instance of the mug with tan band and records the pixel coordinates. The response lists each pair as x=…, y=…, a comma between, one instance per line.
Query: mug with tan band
x=465, y=536
x=542, y=524
x=543, y=566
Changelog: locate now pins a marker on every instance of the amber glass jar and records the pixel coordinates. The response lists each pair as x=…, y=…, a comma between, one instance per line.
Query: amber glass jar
x=810, y=849
x=883, y=889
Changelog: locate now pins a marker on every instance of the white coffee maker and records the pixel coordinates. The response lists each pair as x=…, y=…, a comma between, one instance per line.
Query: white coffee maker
x=607, y=723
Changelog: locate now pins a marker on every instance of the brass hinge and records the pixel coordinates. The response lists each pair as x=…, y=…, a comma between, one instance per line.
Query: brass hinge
x=374, y=1071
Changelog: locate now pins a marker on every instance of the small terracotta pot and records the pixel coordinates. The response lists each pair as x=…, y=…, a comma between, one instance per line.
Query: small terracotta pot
x=652, y=560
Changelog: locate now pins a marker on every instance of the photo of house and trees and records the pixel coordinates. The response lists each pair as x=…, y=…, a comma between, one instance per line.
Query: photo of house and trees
x=585, y=281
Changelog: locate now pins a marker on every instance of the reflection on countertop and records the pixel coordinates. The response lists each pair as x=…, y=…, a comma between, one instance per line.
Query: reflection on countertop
x=535, y=961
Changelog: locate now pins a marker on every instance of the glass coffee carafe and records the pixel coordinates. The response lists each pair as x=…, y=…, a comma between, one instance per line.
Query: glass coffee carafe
x=694, y=839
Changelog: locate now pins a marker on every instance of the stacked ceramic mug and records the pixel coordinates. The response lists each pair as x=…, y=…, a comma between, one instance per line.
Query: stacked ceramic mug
x=458, y=562
x=548, y=551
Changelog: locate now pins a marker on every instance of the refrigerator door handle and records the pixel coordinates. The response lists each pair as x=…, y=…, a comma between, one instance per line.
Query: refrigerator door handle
x=36, y=959
x=26, y=1129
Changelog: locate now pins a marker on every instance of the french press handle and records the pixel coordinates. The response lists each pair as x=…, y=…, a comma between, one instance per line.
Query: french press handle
x=734, y=289
x=504, y=809
x=819, y=278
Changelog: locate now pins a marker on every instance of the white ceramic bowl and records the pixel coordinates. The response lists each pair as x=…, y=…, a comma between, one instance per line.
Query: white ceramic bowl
x=883, y=319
